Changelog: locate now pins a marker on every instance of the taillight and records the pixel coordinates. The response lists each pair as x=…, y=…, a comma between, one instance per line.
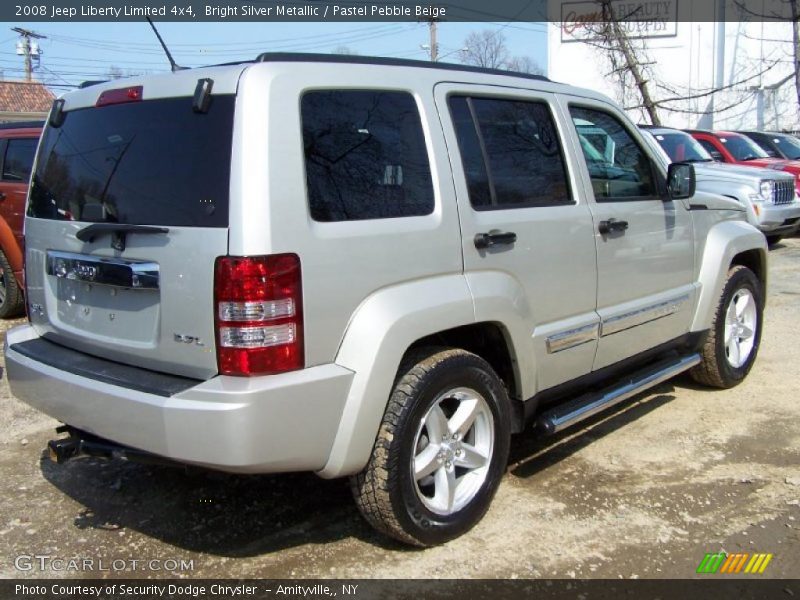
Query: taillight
x=259, y=314
x=120, y=96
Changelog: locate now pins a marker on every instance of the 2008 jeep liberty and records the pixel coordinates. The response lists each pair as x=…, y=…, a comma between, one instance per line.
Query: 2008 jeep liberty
x=364, y=267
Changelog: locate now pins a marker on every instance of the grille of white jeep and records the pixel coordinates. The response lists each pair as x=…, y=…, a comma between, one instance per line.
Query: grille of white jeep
x=783, y=193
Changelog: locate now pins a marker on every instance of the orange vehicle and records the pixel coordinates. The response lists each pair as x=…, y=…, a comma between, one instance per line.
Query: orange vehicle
x=18, y=143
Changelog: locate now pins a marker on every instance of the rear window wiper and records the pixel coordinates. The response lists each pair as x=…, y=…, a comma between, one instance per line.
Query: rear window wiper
x=118, y=232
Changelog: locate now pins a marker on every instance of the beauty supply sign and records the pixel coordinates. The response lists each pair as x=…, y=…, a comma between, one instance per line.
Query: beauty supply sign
x=580, y=21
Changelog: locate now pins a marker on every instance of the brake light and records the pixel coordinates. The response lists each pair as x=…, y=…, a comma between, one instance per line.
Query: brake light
x=259, y=314
x=120, y=96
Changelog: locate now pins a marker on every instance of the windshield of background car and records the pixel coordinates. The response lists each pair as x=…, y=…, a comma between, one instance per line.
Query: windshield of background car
x=742, y=148
x=156, y=162
x=789, y=146
x=681, y=147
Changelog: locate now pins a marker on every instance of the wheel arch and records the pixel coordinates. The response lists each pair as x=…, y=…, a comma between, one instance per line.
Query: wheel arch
x=728, y=243
x=492, y=342
x=438, y=312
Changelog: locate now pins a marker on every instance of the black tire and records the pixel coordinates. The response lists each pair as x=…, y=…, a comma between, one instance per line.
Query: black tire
x=387, y=491
x=11, y=301
x=717, y=369
x=773, y=239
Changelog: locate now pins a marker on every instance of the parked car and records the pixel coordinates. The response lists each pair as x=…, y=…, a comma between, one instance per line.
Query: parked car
x=768, y=195
x=17, y=148
x=776, y=145
x=738, y=149
x=365, y=267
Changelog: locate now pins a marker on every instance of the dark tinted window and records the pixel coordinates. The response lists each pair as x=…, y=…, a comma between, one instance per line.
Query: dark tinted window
x=512, y=157
x=148, y=163
x=19, y=159
x=619, y=168
x=681, y=147
x=480, y=193
x=711, y=149
x=788, y=146
x=365, y=156
x=742, y=148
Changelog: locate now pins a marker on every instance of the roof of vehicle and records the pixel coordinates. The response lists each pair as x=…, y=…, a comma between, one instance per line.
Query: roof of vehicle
x=226, y=76
x=388, y=62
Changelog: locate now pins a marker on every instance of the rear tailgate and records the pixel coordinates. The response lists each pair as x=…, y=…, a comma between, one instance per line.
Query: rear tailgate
x=127, y=213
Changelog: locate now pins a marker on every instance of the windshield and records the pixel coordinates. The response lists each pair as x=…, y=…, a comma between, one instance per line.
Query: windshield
x=156, y=162
x=681, y=147
x=742, y=148
x=788, y=145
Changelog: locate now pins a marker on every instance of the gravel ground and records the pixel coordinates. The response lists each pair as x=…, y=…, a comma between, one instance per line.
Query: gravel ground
x=643, y=491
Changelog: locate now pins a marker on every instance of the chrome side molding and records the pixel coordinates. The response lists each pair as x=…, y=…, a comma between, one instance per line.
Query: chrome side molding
x=102, y=270
x=571, y=338
x=642, y=315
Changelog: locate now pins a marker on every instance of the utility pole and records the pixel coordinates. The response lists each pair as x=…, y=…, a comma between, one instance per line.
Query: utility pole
x=434, y=45
x=25, y=47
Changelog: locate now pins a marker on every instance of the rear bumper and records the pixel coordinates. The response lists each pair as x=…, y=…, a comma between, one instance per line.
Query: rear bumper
x=266, y=424
x=781, y=219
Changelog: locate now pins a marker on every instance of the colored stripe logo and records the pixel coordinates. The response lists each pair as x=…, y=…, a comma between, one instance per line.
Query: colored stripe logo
x=742, y=562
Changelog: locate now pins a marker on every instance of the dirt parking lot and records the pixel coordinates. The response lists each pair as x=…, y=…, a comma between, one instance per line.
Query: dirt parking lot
x=643, y=491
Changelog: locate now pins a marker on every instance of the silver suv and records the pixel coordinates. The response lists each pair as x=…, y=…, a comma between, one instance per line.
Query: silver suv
x=369, y=268
x=767, y=195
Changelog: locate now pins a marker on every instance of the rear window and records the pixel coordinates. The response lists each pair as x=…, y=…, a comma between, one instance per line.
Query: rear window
x=145, y=163
x=365, y=156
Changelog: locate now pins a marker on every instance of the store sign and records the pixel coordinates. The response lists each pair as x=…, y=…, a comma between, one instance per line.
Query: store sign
x=581, y=21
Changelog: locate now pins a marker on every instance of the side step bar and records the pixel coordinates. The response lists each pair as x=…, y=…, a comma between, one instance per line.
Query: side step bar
x=562, y=416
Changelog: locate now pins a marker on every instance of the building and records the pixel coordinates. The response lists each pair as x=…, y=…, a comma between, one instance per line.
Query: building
x=22, y=101
x=687, y=51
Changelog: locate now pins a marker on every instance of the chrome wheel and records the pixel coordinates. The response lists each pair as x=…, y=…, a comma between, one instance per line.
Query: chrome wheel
x=741, y=321
x=453, y=450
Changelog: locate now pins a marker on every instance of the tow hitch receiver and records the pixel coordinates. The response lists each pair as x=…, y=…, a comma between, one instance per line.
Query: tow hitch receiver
x=80, y=443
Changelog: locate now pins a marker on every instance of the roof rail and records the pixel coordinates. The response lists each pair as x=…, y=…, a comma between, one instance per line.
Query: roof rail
x=90, y=83
x=388, y=62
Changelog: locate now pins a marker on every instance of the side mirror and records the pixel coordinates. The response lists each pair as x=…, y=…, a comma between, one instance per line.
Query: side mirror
x=681, y=181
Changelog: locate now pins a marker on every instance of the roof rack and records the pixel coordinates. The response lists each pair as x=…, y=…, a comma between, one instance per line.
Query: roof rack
x=92, y=82
x=388, y=62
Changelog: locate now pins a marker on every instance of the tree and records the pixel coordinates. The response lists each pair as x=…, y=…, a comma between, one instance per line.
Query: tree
x=793, y=7
x=488, y=49
x=524, y=64
x=641, y=90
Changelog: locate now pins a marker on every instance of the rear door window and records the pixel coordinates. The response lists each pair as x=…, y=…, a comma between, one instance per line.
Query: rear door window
x=511, y=153
x=365, y=155
x=156, y=162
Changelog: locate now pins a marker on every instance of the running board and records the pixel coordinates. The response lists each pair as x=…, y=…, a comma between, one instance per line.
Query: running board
x=583, y=407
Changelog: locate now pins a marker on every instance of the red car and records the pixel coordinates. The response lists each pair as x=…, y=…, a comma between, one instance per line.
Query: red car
x=18, y=143
x=738, y=149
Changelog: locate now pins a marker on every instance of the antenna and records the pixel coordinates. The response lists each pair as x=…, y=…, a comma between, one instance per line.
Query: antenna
x=172, y=63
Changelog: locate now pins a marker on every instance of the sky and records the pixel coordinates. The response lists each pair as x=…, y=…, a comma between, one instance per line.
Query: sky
x=75, y=52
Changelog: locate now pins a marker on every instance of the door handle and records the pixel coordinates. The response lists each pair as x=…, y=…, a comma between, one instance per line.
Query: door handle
x=2, y=196
x=611, y=226
x=494, y=238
